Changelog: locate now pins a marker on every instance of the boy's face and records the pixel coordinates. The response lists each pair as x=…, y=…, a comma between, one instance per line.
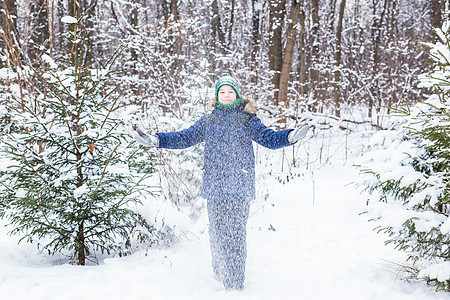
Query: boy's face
x=226, y=94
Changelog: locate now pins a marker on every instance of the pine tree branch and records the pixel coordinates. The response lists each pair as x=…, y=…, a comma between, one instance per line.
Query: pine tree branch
x=43, y=213
x=109, y=63
x=27, y=163
x=110, y=228
x=56, y=92
x=40, y=205
x=443, y=110
x=111, y=109
x=115, y=55
x=36, y=116
x=7, y=187
x=101, y=179
x=117, y=204
x=134, y=152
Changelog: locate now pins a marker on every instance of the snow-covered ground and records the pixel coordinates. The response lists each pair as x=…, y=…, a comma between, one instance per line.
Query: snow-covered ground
x=303, y=243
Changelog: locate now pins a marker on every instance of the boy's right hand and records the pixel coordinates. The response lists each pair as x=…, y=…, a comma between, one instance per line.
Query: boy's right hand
x=146, y=140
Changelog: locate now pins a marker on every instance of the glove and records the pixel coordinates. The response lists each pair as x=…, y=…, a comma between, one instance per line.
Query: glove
x=146, y=140
x=298, y=133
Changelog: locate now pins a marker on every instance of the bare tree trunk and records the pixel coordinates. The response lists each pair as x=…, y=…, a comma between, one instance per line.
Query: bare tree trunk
x=330, y=16
x=392, y=97
x=314, y=72
x=58, y=40
x=376, y=36
x=8, y=17
x=437, y=10
x=174, y=10
x=277, y=12
x=231, y=25
x=89, y=9
x=80, y=245
x=134, y=22
x=81, y=249
x=218, y=36
x=302, y=58
x=337, y=56
x=256, y=36
x=73, y=8
x=291, y=33
x=40, y=33
x=51, y=25
x=173, y=23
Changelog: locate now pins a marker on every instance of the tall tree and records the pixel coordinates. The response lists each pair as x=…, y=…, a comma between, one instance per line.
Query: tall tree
x=277, y=15
x=256, y=34
x=302, y=72
x=291, y=33
x=134, y=22
x=315, y=46
x=171, y=22
x=437, y=11
x=61, y=11
x=377, y=32
x=217, y=33
x=338, y=57
x=231, y=24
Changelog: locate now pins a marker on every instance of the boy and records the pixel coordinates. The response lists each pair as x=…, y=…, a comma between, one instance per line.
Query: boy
x=229, y=171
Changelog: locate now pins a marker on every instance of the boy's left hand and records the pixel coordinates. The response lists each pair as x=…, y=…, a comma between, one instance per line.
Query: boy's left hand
x=298, y=133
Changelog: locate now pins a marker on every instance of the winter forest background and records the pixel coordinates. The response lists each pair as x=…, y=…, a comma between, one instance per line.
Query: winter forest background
x=76, y=75
x=320, y=56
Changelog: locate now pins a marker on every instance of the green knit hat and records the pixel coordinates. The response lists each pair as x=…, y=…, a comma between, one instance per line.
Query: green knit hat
x=227, y=79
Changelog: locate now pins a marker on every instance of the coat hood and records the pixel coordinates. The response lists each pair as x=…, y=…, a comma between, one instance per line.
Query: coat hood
x=249, y=105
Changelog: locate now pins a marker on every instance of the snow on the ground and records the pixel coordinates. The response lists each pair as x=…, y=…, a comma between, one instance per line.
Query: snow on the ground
x=303, y=243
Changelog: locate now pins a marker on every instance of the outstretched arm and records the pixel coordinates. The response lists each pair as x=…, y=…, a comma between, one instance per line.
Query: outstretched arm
x=172, y=140
x=182, y=139
x=272, y=139
x=267, y=137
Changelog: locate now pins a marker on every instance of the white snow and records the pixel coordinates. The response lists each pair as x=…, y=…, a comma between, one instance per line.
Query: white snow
x=440, y=271
x=69, y=20
x=21, y=193
x=50, y=61
x=320, y=250
x=445, y=227
x=78, y=192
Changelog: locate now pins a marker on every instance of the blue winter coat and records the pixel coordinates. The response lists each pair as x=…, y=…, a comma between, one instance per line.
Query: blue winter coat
x=229, y=161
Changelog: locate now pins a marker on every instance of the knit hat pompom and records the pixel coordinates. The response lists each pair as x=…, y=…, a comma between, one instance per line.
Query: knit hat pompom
x=227, y=79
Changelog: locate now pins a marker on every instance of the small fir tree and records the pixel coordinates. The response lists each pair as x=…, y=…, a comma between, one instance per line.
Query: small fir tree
x=409, y=172
x=71, y=174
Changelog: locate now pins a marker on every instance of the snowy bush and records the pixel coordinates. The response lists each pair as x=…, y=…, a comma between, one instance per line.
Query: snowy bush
x=408, y=171
x=181, y=170
x=70, y=173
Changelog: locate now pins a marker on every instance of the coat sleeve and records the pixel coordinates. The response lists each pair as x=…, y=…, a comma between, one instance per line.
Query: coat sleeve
x=184, y=138
x=267, y=137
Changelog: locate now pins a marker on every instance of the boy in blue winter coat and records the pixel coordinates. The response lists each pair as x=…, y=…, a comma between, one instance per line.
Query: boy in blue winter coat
x=229, y=171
